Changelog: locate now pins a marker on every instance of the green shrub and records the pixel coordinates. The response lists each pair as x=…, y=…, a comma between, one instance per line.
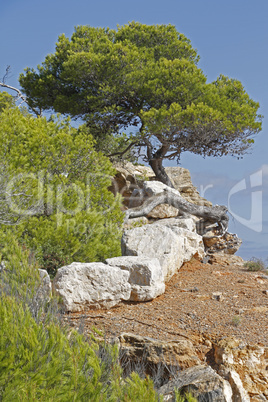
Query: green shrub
x=255, y=264
x=40, y=359
x=57, y=184
x=20, y=277
x=186, y=398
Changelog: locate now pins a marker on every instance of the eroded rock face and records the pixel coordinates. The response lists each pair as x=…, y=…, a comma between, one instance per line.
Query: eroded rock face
x=171, y=244
x=145, y=276
x=239, y=370
x=202, y=382
x=152, y=355
x=229, y=243
x=94, y=285
x=244, y=365
x=181, y=179
x=225, y=259
x=131, y=178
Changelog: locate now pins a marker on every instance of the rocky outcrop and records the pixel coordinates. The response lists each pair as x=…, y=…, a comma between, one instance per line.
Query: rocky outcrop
x=202, y=382
x=168, y=241
x=233, y=372
x=229, y=243
x=245, y=367
x=93, y=285
x=172, y=365
x=181, y=180
x=131, y=178
x=145, y=276
x=156, y=357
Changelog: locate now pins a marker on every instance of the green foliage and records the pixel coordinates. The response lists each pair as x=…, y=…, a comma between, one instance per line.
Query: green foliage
x=20, y=276
x=144, y=76
x=6, y=101
x=40, y=359
x=255, y=264
x=54, y=187
x=186, y=398
x=137, y=389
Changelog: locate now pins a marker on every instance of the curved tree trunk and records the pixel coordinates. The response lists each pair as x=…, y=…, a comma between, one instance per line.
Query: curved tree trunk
x=217, y=213
x=159, y=171
x=156, y=163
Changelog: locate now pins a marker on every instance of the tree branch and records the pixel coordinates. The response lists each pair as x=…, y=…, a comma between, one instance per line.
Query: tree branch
x=126, y=149
x=19, y=94
x=217, y=213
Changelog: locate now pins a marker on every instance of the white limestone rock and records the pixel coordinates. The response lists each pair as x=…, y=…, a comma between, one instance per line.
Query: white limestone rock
x=94, y=285
x=169, y=243
x=184, y=223
x=152, y=188
x=239, y=392
x=145, y=276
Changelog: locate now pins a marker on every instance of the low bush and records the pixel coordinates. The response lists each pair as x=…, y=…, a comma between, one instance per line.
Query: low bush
x=255, y=264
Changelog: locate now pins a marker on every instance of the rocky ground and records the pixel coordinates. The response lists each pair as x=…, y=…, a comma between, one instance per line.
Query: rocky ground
x=202, y=301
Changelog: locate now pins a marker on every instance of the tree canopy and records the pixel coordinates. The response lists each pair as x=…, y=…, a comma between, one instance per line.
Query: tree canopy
x=147, y=78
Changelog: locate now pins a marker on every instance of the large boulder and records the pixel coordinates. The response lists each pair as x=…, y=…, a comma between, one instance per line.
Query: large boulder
x=202, y=382
x=171, y=244
x=94, y=285
x=145, y=276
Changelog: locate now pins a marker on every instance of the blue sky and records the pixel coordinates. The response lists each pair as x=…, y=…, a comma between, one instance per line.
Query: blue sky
x=231, y=37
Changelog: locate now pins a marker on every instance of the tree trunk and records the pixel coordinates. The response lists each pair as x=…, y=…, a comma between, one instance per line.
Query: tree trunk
x=159, y=171
x=156, y=163
x=218, y=213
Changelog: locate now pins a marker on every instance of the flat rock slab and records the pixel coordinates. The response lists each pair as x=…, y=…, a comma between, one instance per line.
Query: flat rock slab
x=145, y=276
x=91, y=285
